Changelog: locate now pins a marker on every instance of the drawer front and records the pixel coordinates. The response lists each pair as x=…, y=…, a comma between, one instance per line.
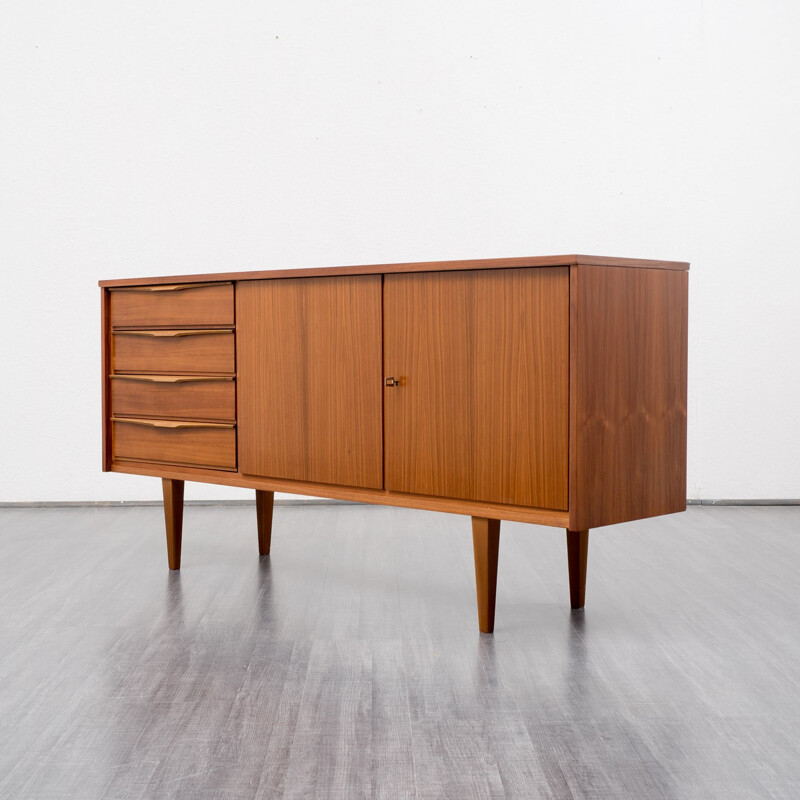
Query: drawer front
x=213, y=447
x=174, y=397
x=174, y=352
x=172, y=306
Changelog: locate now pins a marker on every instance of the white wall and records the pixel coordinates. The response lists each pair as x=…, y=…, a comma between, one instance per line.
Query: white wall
x=166, y=137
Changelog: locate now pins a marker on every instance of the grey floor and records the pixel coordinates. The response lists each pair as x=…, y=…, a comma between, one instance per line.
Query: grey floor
x=348, y=663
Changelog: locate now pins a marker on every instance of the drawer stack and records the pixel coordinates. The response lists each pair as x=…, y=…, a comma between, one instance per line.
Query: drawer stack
x=173, y=375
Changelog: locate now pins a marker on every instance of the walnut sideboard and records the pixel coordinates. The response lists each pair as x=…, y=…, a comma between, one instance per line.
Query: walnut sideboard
x=549, y=390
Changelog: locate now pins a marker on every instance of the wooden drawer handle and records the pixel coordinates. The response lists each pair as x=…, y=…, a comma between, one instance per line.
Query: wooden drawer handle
x=169, y=378
x=169, y=287
x=171, y=423
x=172, y=334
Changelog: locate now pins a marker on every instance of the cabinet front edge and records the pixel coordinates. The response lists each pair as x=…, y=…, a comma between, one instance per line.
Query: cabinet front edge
x=540, y=516
x=414, y=266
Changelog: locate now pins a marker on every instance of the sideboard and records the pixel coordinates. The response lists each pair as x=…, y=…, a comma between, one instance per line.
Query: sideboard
x=549, y=390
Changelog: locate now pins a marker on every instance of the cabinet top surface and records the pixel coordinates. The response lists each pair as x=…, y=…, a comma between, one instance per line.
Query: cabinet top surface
x=414, y=266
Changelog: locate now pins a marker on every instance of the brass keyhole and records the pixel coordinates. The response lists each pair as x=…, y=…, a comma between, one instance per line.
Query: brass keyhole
x=391, y=382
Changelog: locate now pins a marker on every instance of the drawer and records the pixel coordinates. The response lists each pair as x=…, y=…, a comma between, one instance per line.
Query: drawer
x=173, y=397
x=199, y=304
x=193, y=444
x=173, y=352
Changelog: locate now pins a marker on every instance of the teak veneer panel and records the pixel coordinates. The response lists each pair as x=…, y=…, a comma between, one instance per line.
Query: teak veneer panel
x=628, y=392
x=538, y=516
x=185, y=353
x=411, y=266
x=177, y=398
x=310, y=379
x=175, y=306
x=481, y=412
x=105, y=381
x=202, y=447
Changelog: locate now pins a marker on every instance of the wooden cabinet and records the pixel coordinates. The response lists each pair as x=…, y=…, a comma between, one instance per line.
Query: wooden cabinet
x=549, y=390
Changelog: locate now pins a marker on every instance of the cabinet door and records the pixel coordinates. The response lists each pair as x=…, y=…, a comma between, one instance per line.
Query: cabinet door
x=309, y=379
x=481, y=412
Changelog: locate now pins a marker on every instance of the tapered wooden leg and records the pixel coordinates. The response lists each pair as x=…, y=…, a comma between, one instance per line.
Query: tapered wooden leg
x=173, y=516
x=486, y=542
x=577, y=553
x=264, y=501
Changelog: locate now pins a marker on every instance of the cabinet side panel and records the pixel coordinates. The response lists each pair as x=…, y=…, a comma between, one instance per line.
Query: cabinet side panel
x=105, y=366
x=309, y=379
x=481, y=411
x=628, y=394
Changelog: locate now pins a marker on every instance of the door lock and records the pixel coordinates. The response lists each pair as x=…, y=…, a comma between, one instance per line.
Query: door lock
x=391, y=381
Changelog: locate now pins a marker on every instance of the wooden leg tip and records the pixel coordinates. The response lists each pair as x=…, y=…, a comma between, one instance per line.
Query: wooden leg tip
x=577, y=551
x=173, y=515
x=486, y=543
x=264, y=503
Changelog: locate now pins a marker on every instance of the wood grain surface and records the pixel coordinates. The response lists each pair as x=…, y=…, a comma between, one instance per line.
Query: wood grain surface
x=538, y=516
x=198, y=353
x=211, y=399
x=195, y=446
x=201, y=305
x=628, y=394
x=105, y=380
x=412, y=266
x=309, y=386
x=481, y=412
